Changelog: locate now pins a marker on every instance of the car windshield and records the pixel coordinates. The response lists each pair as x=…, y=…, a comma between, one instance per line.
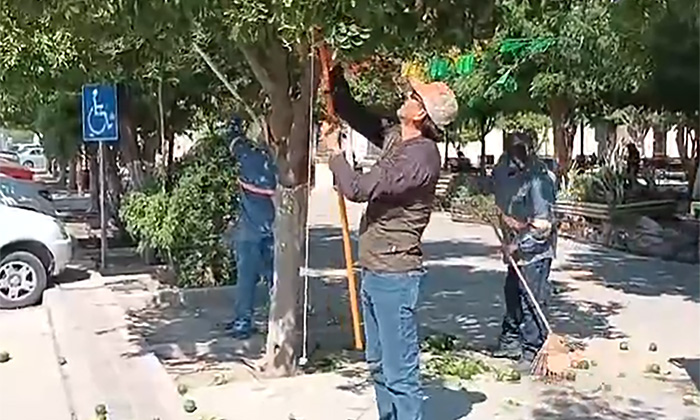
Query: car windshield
x=25, y=194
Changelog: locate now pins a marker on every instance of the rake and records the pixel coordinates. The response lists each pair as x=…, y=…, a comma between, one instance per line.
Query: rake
x=552, y=360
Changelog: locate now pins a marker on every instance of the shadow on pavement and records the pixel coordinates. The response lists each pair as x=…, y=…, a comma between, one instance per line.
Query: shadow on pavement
x=634, y=274
x=557, y=404
x=441, y=402
x=467, y=301
x=448, y=404
x=72, y=275
x=457, y=298
x=692, y=368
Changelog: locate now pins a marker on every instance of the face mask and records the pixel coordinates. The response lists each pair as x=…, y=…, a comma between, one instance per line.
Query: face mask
x=519, y=156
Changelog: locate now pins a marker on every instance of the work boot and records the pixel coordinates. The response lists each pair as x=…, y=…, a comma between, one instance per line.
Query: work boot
x=523, y=366
x=508, y=351
x=241, y=329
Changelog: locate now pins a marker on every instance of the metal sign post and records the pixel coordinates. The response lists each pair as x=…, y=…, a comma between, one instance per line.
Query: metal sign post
x=100, y=124
x=103, y=223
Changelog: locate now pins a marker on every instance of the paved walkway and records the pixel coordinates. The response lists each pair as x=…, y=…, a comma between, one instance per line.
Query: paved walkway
x=31, y=386
x=602, y=298
x=108, y=332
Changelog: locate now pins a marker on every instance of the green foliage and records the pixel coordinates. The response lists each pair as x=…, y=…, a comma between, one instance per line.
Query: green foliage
x=439, y=343
x=58, y=121
x=534, y=122
x=467, y=193
x=186, y=224
x=603, y=185
x=468, y=131
x=471, y=200
x=373, y=83
x=459, y=366
x=661, y=40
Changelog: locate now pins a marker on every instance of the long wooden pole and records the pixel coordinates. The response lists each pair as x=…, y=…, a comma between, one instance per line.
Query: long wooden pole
x=325, y=59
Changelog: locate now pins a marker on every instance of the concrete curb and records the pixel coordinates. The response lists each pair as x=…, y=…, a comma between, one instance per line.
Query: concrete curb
x=105, y=362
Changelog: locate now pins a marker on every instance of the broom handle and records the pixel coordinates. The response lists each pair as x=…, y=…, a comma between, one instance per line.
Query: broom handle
x=325, y=61
x=520, y=275
x=349, y=267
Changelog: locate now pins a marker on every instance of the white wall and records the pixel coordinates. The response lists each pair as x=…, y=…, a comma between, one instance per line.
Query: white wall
x=494, y=144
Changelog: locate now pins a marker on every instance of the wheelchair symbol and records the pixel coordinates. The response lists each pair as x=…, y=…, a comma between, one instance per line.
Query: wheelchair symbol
x=98, y=120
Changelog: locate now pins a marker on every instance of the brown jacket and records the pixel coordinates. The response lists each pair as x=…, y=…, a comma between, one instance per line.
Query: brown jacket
x=399, y=189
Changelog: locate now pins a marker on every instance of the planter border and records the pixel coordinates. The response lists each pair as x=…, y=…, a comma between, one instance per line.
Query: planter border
x=605, y=212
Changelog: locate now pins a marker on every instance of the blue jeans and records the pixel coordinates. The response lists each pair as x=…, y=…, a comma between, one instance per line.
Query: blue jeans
x=522, y=326
x=391, y=332
x=254, y=261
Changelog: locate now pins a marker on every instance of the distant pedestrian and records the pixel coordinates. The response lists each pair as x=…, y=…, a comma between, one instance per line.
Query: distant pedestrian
x=253, y=239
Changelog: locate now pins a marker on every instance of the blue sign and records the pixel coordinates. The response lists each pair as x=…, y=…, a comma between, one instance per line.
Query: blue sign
x=100, y=120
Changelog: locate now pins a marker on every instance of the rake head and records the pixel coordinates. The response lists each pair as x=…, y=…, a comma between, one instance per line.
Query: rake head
x=552, y=361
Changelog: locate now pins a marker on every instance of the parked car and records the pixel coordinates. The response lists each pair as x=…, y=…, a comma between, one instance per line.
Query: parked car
x=15, y=170
x=11, y=156
x=19, y=148
x=33, y=158
x=33, y=248
x=27, y=195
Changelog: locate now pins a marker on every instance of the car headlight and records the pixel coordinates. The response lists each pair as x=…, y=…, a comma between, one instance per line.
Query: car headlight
x=62, y=229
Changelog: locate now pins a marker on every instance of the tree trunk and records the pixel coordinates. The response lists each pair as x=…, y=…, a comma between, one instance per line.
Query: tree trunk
x=169, y=159
x=284, y=340
x=94, y=178
x=659, y=140
x=686, y=136
x=170, y=137
x=696, y=185
x=132, y=155
x=290, y=99
x=73, y=173
x=564, y=130
x=62, y=178
x=637, y=126
x=114, y=188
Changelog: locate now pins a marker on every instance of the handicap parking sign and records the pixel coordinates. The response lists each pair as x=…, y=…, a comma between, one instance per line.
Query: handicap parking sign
x=99, y=111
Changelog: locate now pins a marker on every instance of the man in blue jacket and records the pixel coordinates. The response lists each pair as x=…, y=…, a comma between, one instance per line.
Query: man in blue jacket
x=253, y=240
x=525, y=192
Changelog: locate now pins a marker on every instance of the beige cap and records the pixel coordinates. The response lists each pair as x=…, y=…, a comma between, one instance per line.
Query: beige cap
x=439, y=100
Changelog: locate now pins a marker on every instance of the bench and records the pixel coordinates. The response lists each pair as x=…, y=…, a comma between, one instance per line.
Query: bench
x=605, y=213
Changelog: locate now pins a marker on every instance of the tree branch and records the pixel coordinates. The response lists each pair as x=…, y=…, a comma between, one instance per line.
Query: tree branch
x=257, y=64
x=272, y=72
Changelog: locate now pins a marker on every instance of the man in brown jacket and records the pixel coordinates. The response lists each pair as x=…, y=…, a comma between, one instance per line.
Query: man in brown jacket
x=399, y=190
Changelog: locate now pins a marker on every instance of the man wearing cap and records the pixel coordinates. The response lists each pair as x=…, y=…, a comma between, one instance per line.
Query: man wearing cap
x=253, y=240
x=525, y=192
x=399, y=190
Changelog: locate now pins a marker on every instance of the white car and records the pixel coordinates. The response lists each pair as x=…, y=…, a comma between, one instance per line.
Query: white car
x=33, y=247
x=33, y=158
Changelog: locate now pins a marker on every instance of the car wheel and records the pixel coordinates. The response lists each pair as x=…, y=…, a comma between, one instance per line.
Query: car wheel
x=22, y=280
x=28, y=164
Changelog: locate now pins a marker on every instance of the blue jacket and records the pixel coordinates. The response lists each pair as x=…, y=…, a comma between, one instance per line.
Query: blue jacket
x=525, y=195
x=256, y=167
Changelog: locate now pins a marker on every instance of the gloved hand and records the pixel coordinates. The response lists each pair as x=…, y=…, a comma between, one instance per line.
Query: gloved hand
x=337, y=79
x=509, y=250
x=235, y=126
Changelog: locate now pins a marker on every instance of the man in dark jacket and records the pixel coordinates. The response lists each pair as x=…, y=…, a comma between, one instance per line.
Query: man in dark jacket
x=525, y=192
x=253, y=240
x=399, y=190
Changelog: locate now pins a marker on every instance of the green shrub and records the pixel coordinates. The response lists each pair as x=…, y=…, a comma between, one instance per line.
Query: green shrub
x=185, y=225
x=471, y=199
x=603, y=185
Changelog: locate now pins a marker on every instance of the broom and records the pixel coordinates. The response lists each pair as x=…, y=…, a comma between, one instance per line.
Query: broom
x=552, y=360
